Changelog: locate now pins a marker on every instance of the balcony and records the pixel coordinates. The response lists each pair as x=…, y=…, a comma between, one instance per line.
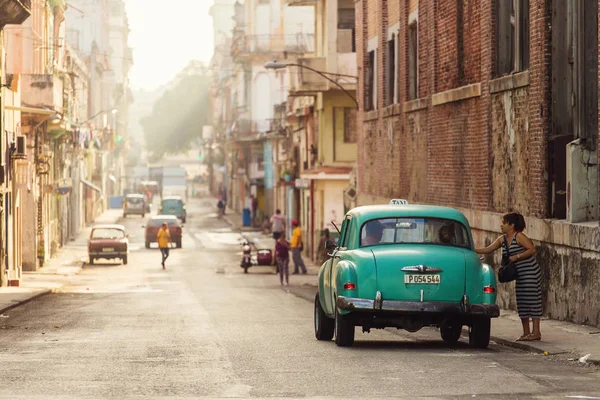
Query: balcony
x=14, y=12
x=272, y=45
x=42, y=90
x=292, y=3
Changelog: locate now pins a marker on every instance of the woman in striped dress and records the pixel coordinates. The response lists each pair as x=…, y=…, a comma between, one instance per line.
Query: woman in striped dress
x=529, y=275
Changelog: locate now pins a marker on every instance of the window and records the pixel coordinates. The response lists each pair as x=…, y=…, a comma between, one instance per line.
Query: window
x=371, y=100
x=413, y=52
x=349, y=125
x=512, y=36
x=344, y=120
x=435, y=231
x=391, y=75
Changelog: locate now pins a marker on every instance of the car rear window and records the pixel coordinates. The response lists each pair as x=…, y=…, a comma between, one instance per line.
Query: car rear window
x=172, y=203
x=414, y=231
x=159, y=222
x=107, y=233
x=135, y=200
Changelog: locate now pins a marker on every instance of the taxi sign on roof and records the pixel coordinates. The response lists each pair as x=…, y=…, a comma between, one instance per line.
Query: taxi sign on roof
x=398, y=202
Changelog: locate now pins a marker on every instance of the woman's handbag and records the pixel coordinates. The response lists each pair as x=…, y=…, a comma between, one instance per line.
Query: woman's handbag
x=508, y=269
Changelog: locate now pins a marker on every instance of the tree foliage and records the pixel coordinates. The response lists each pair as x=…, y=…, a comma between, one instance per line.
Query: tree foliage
x=178, y=115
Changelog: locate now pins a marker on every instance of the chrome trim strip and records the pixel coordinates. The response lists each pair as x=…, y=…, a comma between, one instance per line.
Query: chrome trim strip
x=422, y=269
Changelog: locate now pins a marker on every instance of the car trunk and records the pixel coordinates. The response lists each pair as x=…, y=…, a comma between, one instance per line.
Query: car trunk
x=100, y=244
x=391, y=281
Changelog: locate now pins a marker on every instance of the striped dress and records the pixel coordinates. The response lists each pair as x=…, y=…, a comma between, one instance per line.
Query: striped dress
x=529, y=282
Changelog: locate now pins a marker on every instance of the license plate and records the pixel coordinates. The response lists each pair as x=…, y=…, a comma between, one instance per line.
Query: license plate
x=422, y=279
x=108, y=249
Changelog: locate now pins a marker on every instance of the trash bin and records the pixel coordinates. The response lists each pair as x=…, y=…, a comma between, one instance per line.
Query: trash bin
x=246, y=217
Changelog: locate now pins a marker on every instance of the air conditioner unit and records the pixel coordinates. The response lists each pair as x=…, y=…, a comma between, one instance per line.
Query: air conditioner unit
x=20, y=146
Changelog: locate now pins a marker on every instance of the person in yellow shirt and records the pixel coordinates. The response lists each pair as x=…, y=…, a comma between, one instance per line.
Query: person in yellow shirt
x=296, y=245
x=164, y=239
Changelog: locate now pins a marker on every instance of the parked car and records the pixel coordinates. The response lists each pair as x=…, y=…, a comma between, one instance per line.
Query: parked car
x=405, y=266
x=108, y=242
x=156, y=222
x=134, y=204
x=173, y=205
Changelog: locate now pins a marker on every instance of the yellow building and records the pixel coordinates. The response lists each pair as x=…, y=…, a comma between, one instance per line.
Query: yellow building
x=326, y=123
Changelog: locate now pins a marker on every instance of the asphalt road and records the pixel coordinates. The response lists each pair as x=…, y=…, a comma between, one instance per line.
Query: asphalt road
x=202, y=328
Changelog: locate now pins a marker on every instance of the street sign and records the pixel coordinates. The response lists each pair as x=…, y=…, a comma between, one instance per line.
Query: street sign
x=398, y=202
x=302, y=183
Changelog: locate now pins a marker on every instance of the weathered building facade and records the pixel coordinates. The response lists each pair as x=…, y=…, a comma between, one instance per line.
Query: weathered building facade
x=489, y=107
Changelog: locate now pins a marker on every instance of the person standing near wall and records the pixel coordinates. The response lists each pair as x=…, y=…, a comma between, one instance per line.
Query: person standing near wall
x=297, y=248
x=529, y=275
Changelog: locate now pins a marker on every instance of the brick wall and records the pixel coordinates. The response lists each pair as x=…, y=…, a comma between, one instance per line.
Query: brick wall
x=486, y=152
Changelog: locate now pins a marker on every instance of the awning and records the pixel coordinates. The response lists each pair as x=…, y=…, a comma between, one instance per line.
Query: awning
x=91, y=185
x=328, y=173
x=31, y=110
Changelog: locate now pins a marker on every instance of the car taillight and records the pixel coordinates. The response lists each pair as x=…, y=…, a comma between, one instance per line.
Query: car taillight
x=349, y=286
x=489, y=289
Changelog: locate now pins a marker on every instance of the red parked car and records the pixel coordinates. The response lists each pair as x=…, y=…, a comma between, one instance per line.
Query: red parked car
x=156, y=222
x=108, y=241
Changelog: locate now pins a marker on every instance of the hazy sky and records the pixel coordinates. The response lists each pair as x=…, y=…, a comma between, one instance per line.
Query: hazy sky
x=165, y=36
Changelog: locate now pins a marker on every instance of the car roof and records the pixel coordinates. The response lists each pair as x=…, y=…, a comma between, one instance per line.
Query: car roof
x=172, y=198
x=134, y=195
x=365, y=213
x=109, y=226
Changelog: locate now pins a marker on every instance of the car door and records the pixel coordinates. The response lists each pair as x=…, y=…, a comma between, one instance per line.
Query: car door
x=337, y=256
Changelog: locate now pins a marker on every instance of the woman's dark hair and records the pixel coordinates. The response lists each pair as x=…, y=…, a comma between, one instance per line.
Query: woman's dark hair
x=515, y=219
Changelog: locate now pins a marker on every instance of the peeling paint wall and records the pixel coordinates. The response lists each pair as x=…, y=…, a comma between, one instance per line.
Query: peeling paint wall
x=510, y=156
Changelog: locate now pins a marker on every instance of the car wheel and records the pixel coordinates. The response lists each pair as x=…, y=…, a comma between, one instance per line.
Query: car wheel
x=344, y=330
x=451, y=333
x=479, y=334
x=91, y=260
x=245, y=269
x=324, y=326
x=179, y=244
x=124, y=259
x=147, y=245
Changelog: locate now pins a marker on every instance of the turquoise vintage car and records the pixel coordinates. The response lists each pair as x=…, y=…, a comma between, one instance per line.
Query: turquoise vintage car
x=405, y=266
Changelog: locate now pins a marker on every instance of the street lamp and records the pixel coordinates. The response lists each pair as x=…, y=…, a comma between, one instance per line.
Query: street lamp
x=278, y=65
x=113, y=111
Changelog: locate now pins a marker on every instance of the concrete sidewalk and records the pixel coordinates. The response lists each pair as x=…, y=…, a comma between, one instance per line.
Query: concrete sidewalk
x=57, y=271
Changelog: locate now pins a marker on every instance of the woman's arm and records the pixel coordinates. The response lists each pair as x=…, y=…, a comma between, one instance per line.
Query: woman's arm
x=525, y=242
x=492, y=247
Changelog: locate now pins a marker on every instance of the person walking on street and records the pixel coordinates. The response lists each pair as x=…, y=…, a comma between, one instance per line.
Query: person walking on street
x=297, y=247
x=277, y=225
x=282, y=253
x=164, y=240
x=254, y=207
x=529, y=275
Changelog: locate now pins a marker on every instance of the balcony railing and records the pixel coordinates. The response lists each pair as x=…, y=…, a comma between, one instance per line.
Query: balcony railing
x=300, y=43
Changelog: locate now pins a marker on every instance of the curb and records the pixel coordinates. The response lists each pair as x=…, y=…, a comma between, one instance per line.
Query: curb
x=20, y=303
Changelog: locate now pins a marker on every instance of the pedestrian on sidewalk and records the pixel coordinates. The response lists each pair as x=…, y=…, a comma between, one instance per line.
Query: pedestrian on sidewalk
x=529, y=275
x=254, y=207
x=297, y=247
x=282, y=253
x=323, y=253
x=164, y=240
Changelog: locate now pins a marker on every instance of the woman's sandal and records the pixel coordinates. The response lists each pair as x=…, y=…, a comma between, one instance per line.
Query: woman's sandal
x=532, y=337
x=523, y=338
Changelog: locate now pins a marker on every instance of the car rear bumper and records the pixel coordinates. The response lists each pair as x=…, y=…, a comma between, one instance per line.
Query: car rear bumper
x=112, y=254
x=416, y=307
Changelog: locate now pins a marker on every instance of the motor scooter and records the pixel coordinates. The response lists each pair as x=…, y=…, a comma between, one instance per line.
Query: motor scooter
x=263, y=257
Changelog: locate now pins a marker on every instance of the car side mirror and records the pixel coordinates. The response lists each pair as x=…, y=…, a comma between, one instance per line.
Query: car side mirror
x=330, y=246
